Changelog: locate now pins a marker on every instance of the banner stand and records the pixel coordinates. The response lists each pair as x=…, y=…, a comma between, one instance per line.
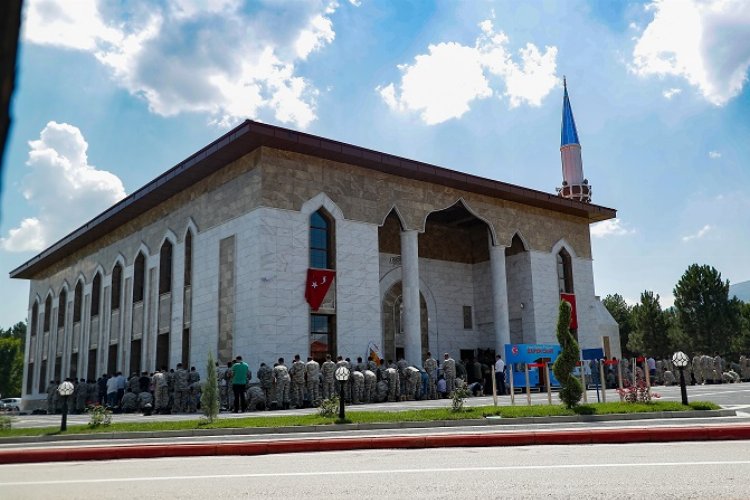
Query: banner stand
x=648, y=376
x=619, y=380
x=549, y=385
x=494, y=386
x=634, y=364
x=603, y=381
x=512, y=388
x=583, y=381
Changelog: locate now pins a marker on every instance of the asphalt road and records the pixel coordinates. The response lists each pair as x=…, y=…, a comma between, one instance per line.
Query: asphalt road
x=730, y=396
x=714, y=470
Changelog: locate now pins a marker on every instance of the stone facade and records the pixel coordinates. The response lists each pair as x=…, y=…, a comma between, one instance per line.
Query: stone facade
x=249, y=222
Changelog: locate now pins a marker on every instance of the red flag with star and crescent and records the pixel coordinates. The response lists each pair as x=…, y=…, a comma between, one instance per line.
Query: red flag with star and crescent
x=318, y=283
x=571, y=299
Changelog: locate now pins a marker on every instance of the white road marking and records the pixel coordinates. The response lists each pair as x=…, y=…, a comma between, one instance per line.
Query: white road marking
x=372, y=472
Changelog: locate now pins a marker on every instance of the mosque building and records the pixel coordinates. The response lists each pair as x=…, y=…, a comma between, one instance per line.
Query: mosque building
x=270, y=242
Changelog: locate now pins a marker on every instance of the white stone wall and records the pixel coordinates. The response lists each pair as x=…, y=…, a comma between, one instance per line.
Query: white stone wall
x=546, y=297
x=483, y=320
x=520, y=297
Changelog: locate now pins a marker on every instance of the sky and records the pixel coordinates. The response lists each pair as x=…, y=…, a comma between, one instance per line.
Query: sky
x=111, y=94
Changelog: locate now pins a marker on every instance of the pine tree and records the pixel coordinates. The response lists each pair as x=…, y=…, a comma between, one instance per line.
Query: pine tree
x=571, y=389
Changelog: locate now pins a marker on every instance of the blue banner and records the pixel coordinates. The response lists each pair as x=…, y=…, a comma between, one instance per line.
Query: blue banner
x=592, y=354
x=530, y=353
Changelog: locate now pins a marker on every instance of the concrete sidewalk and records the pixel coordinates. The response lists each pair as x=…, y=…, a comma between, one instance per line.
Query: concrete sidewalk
x=461, y=433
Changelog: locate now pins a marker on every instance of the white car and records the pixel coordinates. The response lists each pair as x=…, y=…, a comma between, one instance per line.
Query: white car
x=10, y=404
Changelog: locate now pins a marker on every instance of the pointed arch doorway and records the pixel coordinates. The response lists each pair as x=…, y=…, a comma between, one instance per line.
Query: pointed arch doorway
x=393, y=336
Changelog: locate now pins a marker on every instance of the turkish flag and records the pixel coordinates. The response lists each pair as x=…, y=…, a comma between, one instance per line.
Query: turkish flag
x=571, y=299
x=318, y=283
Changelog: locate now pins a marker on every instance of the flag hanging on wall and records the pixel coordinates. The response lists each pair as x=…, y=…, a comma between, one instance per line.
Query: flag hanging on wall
x=571, y=299
x=373, y=353
x=318, y=283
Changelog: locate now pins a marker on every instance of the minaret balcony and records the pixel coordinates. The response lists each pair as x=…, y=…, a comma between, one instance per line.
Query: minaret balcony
x=579, y=192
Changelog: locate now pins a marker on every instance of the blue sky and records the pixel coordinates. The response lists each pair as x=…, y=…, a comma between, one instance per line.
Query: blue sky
x=111, y=94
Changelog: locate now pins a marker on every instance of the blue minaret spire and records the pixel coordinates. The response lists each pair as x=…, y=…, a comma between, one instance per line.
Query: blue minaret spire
x=574, y=186
x=569, y=133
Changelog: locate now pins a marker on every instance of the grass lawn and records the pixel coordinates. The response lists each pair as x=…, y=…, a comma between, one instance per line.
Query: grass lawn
x=370, y=417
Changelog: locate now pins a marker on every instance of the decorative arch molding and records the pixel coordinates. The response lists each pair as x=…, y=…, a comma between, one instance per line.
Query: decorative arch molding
x=562, y=243
x=142, y=248
x=37, y=299
x=524, y=240
x=394, y=209
x=119, y=259
x=168, y=236
x=471, y=210
x=98, y=269
x=394, y=276
x=64, y=287
x=190, y=226
x=82, y=278
x=321, y=200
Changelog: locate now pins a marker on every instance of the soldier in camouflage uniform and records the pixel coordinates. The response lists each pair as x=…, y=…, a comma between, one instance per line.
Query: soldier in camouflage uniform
x=413, y=379
x=328, y=370
x=371, y=364
x=394, y=388
x=360, y=366
x=449, y=371
x=133, y=383
x=370, y=382
x=402, y=365
x=181, y=389
x=281, y=381
x=431, y=367
x=194, y=381
x=51, y=400
x=161, y=392
x=265, y=376
x=297, y=372
x=145, y=398
x=170, y=387
x=222, y=385
x=358, y=386
x=80, y=395
x=129, y=403
x=257, y=399
x=92, y=392
x=347, y=386
x=381, y=391
x=312, y=373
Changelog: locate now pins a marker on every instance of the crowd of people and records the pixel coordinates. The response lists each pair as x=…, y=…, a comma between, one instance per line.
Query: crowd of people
x=280, y=386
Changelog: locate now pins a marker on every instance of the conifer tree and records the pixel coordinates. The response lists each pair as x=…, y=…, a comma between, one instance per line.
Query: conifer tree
x=571, y=389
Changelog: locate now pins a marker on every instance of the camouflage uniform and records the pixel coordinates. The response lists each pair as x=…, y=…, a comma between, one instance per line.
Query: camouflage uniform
x=297, y=372
x=181, y=390
x=194, y=381
x=402, y=365
x=449, y=371
x=381, y=391
x=51, y=399
x=281, y=379
x=394, y=389
x=221, y=381
x=129, y=402
x=668, y=378
x=358, y=386
x=79, y=395
x=170, y=387
x=145, y=398
x=133, y=383
x=371, y=365
x=430, y=366
x=161, y=390
x=329, y=381
x=256, y=397
x=312, y=372
x=413, y=378
x=265, y=376
x=370, y=381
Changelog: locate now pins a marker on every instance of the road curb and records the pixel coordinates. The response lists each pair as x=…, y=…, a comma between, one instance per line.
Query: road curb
x=590, y=436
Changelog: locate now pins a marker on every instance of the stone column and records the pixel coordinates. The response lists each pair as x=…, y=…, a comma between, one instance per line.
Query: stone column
x=410, y=295
x=499, y=298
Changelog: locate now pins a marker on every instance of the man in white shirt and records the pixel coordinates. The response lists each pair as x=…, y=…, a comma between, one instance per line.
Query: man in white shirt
x=500, y=375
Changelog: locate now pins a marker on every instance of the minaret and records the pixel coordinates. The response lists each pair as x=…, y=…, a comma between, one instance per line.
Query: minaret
x=574, y=186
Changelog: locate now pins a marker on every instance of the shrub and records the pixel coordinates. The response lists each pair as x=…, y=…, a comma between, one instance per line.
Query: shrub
x=99, y=416
x=571, y=389
x=329, y=407
x=459, y=398
x=210, y=392
x=638, y=393
x=5, y=423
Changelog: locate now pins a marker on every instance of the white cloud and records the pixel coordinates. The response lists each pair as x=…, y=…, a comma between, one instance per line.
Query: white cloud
x=202, y=56
x=443, y=83
x=705, y=42
x=64, y=189
x=611, y=227
x=714, y=155
x=700, y=234
x=670, y=93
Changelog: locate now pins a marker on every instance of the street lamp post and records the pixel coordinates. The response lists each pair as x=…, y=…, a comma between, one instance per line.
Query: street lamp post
x=342, y=375
x=65, y=390
x=680, y=360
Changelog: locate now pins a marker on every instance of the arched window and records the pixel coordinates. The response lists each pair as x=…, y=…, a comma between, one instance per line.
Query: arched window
x=139, y=277
x=96, y=294
x=47, y=313
x=61, y=307
x=564, y=272
x=116, y=287
x=165, y=268
x=78, y=302
x=188, y=258
x=34, y=317
x=321, y=241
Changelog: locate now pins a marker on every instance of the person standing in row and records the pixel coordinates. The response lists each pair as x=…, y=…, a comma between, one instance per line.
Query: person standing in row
x=328, y=369
x=240, y=372
x=449, y=371
x=500, y=375
x=431, y=366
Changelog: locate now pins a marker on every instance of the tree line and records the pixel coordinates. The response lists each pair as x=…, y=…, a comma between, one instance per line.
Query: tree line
x=11, y=359
x=703, y=320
